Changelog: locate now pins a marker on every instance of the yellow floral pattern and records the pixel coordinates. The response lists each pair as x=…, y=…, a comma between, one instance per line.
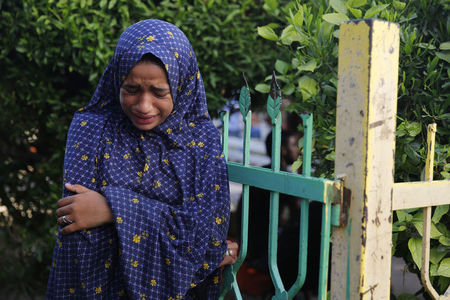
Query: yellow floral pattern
x=157, y=184
x=137, y=239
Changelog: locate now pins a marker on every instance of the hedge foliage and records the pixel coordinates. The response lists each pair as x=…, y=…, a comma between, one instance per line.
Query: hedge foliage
x=307, y=36
x=52, y=54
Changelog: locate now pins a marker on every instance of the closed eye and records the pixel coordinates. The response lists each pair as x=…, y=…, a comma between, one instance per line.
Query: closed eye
x=160, y=92
x=131, y=89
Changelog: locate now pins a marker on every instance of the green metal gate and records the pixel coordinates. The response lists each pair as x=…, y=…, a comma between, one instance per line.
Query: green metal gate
x=308, y=188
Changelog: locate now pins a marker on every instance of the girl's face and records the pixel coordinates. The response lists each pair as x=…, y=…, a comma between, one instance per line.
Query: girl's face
x=145, y=95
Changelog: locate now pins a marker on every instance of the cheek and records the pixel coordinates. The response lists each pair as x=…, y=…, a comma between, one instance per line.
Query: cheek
x=121, y=99
x=168, y=107
x=124, y=101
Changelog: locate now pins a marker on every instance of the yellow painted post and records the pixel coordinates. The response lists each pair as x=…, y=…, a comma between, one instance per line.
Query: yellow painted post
x=365, y=143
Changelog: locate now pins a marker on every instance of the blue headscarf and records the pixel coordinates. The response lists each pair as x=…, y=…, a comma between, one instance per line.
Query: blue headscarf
x=167, y=187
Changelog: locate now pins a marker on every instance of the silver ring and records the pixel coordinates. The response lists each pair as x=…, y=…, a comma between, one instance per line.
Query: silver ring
x=229, y=252
x=66, y=221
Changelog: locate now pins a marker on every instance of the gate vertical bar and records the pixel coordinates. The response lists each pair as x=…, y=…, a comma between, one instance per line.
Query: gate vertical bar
x=273, y=110
x=304, y=208
x=324, y=249
x=426, y=230
x=230, y=272
x=365, y=143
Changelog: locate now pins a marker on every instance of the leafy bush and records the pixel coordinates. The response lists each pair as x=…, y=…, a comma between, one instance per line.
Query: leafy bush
x=52, y=55
x=307, y=69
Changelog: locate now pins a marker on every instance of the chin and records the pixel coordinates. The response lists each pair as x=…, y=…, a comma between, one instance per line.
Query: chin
x=144, y=128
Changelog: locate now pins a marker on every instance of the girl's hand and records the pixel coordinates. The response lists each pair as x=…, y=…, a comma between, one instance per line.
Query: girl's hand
x=231, y=255
x=84, y=210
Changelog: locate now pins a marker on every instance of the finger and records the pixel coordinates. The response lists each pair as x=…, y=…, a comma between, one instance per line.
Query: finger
x=61, y=222
x=65, y=201
x=69, y=229
x=227, y=260
x=233, y=246
x=76, y=188
x=64, y=211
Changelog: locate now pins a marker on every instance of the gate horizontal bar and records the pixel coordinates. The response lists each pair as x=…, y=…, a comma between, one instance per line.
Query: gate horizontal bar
x=317, y=189
x=420, y=194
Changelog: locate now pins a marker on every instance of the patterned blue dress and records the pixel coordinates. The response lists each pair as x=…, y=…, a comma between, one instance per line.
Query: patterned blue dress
x=167, y=187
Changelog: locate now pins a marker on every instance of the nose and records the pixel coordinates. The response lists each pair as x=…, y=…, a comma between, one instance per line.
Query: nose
x=146, y=103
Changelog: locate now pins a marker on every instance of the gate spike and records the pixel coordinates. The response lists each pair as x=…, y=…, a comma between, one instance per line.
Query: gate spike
x=274, y=99
x=244, y=99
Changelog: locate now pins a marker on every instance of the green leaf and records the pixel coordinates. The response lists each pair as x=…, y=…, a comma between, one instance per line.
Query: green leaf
x=231, y=16
x=444, y=240
x=403, y=216
x=267, y=33
x=443, y=229
x=288, y=89
x=413, y=128
x=282, y=66
x=339, y=6
x=21, y=49
x=444, y=268
x=440, y=211
x=433, y=269
x=331, y=156
x=444, y=56
x=444, y=46
x=443, y=283
x=398, y=227
x=398, y=5
x=262, y=88
x=290, y=34
x=371, y=12
x=308, y=87
x=406, y=297
x=426, y=46
x=272, y=4
x=394, y=243
x=335, y=18
x=434, y=232
x=336, y=33
x=297, y=19
x=356, y=3
x=309, y=66
x=297, y=164
x=357, y=13
x=415, y=247
x=111, y=4
x=436, y=254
